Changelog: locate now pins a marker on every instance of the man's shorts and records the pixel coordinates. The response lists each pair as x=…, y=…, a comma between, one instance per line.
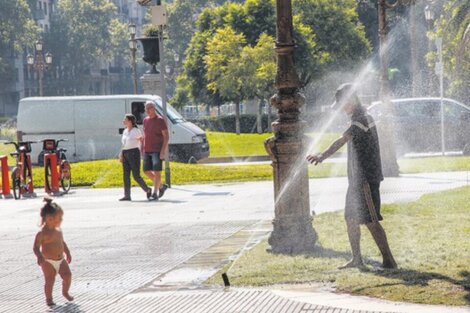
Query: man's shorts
x=152, y=162
x=363, y=203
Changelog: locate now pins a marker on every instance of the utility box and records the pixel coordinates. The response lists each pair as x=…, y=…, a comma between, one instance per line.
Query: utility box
x=159, y=15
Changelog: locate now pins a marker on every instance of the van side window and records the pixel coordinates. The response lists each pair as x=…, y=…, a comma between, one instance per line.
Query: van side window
x=138, y=110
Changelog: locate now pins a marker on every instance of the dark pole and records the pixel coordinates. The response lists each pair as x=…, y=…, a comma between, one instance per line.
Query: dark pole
x=133, y=47
x=164, y=104
x=293, y=232
x=415, y=73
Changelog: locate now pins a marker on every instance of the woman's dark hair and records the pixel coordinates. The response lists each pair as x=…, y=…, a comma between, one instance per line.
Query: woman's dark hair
x=48, y=209
x=131, y=118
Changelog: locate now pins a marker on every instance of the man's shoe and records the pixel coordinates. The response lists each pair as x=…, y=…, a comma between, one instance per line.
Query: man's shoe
x=154, y=196
x=149, y=194
x=162, y=190
x=125, y=199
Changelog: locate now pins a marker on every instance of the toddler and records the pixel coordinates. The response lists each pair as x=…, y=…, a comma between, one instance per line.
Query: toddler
x=50, y=248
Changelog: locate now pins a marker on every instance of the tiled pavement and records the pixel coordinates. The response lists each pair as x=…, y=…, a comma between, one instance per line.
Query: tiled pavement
x=120, y=248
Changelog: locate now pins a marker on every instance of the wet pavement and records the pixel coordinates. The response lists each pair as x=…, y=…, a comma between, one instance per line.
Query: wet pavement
x=152, y=256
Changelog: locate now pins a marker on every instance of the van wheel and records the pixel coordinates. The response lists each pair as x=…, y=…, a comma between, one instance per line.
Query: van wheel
x=466, y=149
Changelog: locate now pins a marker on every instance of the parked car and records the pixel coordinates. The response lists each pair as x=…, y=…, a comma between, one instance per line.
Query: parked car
x=417, y=124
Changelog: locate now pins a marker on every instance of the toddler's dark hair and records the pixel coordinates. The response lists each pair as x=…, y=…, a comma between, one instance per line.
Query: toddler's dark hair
x=49, y=208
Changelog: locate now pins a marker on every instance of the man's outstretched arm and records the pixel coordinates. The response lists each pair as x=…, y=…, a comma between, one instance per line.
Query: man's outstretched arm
x=335, y=146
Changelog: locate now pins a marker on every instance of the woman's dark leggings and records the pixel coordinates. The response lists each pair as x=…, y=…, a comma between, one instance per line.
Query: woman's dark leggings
x=131, y=162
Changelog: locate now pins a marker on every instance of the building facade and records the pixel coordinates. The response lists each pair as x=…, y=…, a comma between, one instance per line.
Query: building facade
x=104, y=78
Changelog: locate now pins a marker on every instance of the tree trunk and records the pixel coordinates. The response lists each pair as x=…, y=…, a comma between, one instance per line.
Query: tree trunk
x=259, y=126
x=237, y=117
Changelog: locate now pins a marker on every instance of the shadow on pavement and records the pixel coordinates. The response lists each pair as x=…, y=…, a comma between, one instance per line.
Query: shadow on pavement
x=67, y=308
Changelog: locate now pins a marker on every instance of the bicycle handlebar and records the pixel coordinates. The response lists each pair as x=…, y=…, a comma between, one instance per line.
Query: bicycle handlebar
x=19, y=144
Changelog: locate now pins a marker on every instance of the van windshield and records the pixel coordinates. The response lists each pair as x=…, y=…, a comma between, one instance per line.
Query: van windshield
x=138, y=109
x=173, y=115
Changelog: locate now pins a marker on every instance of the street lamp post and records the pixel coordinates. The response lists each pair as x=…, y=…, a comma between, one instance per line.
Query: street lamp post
x=133, y=48
x=293, y=232
x=164, y=103
x=40, y=62
x=429, y=16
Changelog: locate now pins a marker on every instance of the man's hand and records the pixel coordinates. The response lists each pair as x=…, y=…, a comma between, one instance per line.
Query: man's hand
x=162, y=155
x=315, y=158
x=68, y=257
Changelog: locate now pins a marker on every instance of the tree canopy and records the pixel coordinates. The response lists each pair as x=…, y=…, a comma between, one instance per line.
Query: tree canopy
x=83, y=33
x=314, y=21
x=17, y=30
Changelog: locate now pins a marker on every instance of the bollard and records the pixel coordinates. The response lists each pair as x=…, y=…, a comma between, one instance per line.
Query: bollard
x=54, y=185
x=6, y=192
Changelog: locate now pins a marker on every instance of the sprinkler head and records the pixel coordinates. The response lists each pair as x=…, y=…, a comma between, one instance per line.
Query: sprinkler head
x=225, y=279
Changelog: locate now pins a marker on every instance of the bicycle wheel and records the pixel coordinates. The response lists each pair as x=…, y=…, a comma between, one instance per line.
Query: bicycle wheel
x=65, y=176
x=27, y=178
x=16, y=182
x=47, y=175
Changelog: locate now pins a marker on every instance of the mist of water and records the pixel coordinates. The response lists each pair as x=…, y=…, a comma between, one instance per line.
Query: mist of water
x=299, y=162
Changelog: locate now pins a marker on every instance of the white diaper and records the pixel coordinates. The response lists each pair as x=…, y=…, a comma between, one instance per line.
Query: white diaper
x=55, y=264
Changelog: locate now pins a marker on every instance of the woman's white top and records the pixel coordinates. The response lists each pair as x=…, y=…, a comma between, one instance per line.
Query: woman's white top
x=131, y=138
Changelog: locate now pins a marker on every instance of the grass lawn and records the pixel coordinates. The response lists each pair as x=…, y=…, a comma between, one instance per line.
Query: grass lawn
x=429, y=238
x=108, y=173
x=231, y=144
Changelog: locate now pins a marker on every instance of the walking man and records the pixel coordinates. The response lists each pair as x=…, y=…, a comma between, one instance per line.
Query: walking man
x=364, y=176
x=155, y=147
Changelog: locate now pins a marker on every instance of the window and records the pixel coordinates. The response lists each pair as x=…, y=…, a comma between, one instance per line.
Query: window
x=138, y=110
x=45, y=8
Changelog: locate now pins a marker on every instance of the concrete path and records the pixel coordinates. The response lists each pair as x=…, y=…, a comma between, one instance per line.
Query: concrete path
x=152, y=256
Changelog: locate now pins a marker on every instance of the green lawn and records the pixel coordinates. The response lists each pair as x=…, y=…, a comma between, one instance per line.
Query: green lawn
x=108, y=173
x=230, y=144
x=429, y=238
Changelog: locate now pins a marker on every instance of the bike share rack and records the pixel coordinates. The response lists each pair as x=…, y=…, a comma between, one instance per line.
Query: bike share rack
x=54, y=187
x=6, y=191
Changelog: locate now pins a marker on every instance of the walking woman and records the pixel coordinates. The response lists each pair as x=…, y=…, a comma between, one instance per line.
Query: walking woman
x=130, y=157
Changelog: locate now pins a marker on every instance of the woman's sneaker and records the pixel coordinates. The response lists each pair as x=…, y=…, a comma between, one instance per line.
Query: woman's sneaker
x=154, y=196
x=162, y=190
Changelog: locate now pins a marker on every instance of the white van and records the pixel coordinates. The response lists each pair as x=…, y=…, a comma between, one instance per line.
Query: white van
x=93, y=126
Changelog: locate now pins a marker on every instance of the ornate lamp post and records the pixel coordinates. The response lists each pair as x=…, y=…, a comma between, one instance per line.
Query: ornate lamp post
x=40, y=62
x=133, y=48
x=293, y=232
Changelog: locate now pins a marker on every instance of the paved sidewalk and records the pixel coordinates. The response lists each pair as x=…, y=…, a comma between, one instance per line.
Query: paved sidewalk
x=152, y=256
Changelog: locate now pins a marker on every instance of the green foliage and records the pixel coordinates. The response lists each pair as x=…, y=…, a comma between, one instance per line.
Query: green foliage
x=151, y=30
x=453, y=26
x=314, y=24
x=83, y=32
x=224, y=72
x=431, y=270
x=338, y=33
x=17, y=30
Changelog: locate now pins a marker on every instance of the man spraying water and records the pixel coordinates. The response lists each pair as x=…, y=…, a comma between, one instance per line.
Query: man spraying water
x=364, y=176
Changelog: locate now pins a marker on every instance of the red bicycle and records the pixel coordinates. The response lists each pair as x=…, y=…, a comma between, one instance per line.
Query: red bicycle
x=63, y=166
x=22, y=175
